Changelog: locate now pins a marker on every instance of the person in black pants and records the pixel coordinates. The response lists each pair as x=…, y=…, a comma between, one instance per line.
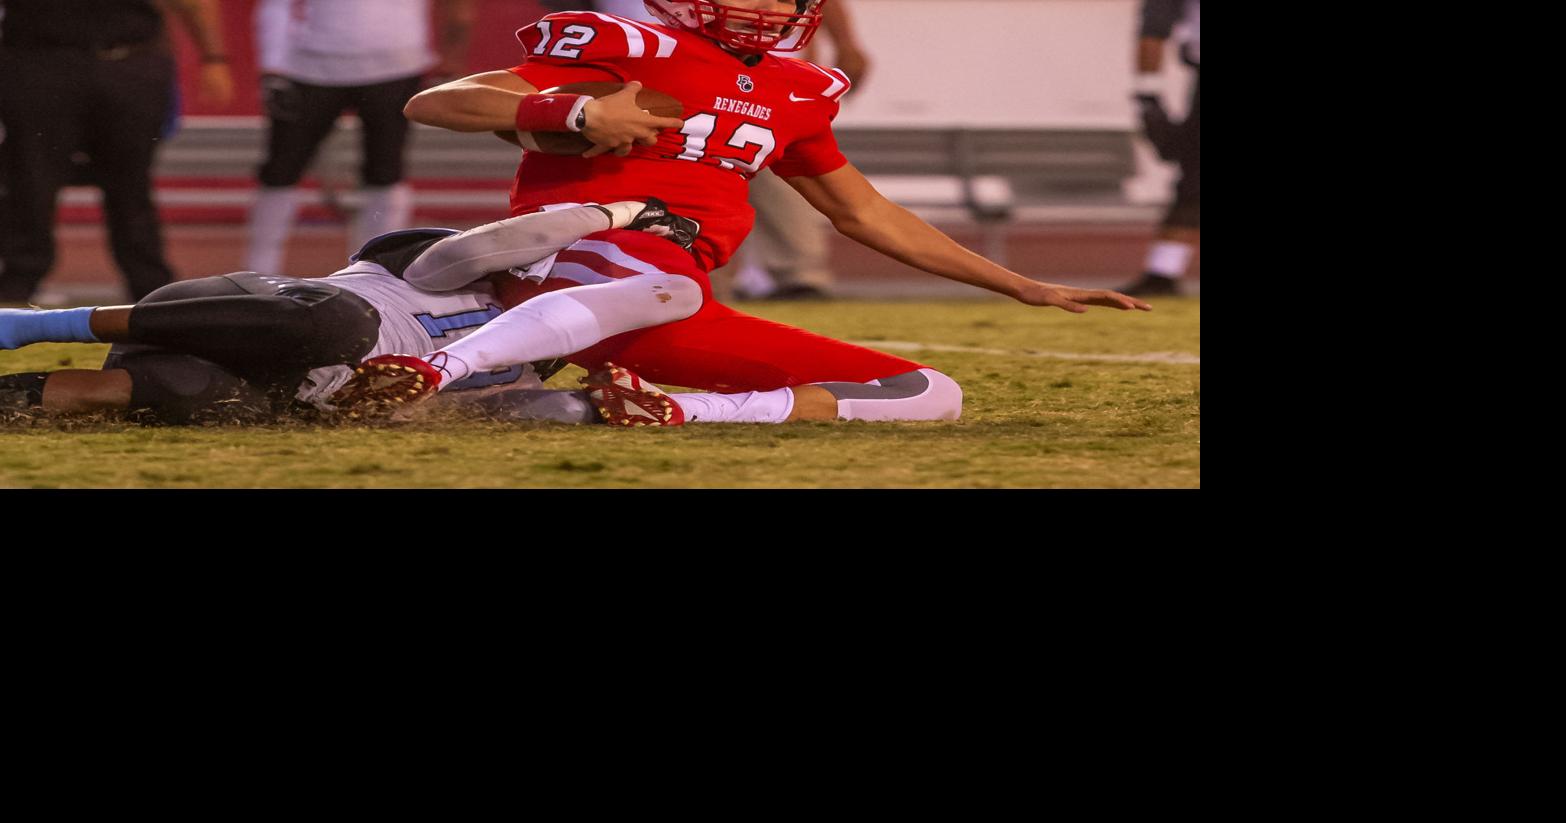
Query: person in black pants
x=90, y=81
x=322, y=58
x=1181, y=233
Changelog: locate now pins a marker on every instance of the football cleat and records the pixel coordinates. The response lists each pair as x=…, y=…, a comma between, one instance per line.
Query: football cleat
x=623, y=399
x=657, y=220
x=384, y=382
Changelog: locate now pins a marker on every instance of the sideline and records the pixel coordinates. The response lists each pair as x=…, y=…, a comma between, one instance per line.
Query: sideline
x=1146, y=357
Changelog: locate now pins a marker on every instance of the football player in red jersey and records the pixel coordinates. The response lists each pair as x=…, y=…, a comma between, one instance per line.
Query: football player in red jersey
x=635, y=303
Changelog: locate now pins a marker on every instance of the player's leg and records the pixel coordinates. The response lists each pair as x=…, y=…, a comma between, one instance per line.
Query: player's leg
x=1180, y=235
x=514, y=405
x=300, y=116
x=622, y=398
x=557, y=323
x=174, y=388
x=131, y=103
x=43, y=113
x=66, y=391
x=761, y=371
x=244, y=321
x=626, y=283
x=388, y=201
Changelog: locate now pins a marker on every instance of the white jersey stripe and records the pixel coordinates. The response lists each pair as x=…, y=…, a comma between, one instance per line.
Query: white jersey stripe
x=579, y=273
x=666, y=43
x=838, y=84
x=840, y=74
x=615, y=255
x=634, y=44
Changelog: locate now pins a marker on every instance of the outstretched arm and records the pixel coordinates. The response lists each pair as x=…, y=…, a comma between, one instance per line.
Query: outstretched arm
x=865, y=215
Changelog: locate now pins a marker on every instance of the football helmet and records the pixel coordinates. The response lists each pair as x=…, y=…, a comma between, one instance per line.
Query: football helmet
x=743, y=30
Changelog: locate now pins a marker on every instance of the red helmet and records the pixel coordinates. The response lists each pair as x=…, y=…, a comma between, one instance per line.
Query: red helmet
x=743, y=30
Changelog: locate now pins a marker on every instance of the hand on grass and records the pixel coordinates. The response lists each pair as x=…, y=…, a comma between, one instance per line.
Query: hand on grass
x=1076, y=300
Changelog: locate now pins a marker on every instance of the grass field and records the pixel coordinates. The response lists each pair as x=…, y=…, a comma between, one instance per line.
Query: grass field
x=1052, y=400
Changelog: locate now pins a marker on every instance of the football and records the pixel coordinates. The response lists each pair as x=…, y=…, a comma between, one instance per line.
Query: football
x=570, y=142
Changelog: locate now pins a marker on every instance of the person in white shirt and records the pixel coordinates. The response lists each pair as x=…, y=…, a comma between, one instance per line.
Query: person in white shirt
x=320, y=58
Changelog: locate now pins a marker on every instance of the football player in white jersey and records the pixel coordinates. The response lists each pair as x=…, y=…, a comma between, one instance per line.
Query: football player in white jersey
x=252, y=346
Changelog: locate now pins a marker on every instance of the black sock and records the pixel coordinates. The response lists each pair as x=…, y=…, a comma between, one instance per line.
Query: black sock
x=22, y=391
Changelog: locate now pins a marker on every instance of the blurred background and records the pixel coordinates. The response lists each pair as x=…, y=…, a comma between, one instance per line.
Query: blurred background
x=1022, y=141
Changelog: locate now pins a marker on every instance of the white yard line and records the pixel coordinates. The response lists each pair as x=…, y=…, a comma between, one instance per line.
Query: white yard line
x=1145, y=357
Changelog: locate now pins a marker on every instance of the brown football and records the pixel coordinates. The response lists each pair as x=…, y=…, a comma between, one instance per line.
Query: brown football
x=570, y=142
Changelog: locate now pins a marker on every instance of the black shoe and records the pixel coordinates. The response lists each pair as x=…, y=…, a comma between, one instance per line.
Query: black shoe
x=1152, y=285
x=798, y=293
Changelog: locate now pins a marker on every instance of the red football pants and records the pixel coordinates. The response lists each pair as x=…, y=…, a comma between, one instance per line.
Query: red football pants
x=717, y=348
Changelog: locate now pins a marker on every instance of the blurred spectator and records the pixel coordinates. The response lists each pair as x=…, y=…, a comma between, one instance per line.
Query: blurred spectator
x=1181, y=232
x=790, y=241
x=93, y=83
x=320, y=58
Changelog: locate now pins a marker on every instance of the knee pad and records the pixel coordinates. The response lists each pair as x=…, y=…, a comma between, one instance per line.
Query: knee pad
x=338, y=326
x=179, y=388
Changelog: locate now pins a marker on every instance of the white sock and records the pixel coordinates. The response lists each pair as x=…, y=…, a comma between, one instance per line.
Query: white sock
x=452, y=369
x=271, y=220
x=1168, y=258
x=548, y=326
x=748, y=407
x=385, y=208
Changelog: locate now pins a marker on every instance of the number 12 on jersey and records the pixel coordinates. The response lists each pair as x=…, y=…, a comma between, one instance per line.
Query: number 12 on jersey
x=699, y=128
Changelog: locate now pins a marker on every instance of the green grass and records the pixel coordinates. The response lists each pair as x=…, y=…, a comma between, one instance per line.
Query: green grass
x=1028, y=421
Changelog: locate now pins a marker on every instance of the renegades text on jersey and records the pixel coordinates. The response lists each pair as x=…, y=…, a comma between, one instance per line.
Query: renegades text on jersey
x=739, y=119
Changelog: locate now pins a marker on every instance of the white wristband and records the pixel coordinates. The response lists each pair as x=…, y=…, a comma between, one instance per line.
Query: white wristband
x=1152, y=84
x=575, y=111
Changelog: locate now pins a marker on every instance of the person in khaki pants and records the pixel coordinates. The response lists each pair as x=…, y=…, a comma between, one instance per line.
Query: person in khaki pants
x=790, y=242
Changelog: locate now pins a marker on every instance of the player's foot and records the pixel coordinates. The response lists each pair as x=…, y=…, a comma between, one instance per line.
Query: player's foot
x=798, y=293
x=385, y=382
x=1152, y=285
x=623, y=399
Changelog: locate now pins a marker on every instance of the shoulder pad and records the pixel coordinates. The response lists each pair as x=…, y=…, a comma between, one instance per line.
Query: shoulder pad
x=592, y=37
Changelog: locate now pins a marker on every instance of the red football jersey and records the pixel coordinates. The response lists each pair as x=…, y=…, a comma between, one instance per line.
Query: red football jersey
x=739, y=119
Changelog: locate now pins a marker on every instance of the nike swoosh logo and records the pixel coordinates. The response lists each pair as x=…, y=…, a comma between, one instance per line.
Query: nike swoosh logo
x=799, y=99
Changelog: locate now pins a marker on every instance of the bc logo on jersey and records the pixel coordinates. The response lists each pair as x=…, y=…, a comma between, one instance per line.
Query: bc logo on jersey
x=745, y=84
